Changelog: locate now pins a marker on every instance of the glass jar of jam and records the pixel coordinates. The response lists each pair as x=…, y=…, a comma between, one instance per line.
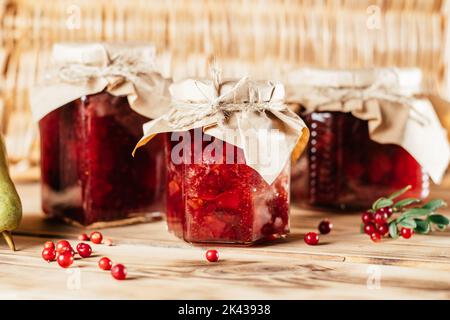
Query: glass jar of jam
x=88, y=173
x=213, y=201
x=227, y=184
x=344, y=168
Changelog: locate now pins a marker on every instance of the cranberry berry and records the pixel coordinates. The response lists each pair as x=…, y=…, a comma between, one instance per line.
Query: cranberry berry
x=96, y=237
x=406, y=233
x=119, y=272
x=311, y=238
x=212, y=255
x=62, y=245
x=387, y=210
x=383, y=229
x=83, y=237
x=49, y=254
x=369, y=228
x=65, y=259
x=49, y=245
x=84, y=250
x=367, y=217
x=105, y=263
x=325, y=227
x=380, y=216
x=376, y=237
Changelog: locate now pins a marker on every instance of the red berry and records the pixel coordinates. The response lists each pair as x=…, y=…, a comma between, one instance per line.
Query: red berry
x=65, y=259
x=108, y=242
x=212, y=255
x=325, y=227
x=311, y=238
x=105, y=263
x=367, y=217
x=369, y=228
x=407, y=233
x=48, y=254
x=96, y=237
x=49, y=245
x=83, y=237
x=380, y=217
x=119, y=271
x=376, y=237
x=84, y=250
x=67, y=249
x=387, y=210
x=383, y=229
x=62, y=245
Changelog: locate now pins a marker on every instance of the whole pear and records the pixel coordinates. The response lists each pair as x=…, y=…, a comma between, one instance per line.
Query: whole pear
x=10, y=205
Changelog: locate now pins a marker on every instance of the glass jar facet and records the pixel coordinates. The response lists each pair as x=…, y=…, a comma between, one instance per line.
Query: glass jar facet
x=88, y=173
x=344, y=168
x=210, y=200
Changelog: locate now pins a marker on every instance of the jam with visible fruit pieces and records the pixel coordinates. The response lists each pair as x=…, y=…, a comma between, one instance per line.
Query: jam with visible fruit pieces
x=215, y=201
x=88, y=173
x=346, y=169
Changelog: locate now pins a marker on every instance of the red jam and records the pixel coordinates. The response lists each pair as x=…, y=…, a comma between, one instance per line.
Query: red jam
x=346, y=169
x=88, y=173
x=216, y=202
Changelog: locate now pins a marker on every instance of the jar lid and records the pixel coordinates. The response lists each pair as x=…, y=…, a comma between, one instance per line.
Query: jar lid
x=203, y=91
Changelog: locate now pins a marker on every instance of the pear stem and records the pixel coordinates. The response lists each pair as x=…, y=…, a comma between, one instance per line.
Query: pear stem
x=9, y=240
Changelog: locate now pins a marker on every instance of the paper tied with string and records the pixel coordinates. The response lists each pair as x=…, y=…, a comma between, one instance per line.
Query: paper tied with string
x=248, y=114
x=388, y=99
x=84, y=69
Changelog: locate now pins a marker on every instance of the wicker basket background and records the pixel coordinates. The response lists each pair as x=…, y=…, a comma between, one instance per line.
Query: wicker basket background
x=263, y=38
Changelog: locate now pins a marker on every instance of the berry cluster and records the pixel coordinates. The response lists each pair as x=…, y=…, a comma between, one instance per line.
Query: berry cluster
x=312, y=238
x=64, y=254
x=387, y=217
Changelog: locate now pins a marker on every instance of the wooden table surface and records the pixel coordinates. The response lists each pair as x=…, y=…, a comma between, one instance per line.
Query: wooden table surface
x=346, y=264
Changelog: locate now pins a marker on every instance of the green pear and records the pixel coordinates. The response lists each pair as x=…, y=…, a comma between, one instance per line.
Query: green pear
x=10, y=205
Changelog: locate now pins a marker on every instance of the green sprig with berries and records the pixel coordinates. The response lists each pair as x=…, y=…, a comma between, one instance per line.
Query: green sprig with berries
x=405, y=214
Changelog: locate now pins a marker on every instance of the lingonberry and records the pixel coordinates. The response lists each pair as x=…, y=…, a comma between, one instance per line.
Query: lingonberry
x=62, y=245
x=119, y=272
x=49, y=254
x=83, y=237
x=311, y=238
x=96, y=237
x=49, y=245
x=367, y=217
x=65, y=259
x=325, y=227
x=376, y=237
x=380, y=216
x=369, y=228
x=105, y=263
x=383, y=229
x=107, y=242
x=212, y=255
x=84, y=250
x=387, y=210
x=406, y=233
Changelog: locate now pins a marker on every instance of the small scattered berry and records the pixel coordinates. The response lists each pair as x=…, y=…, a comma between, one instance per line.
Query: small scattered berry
x=369, y=228
x=84, y=250
x=62, y=245
x=108, y=242
x=380, y=216
x=66, y=249
x=367, y=217
x=83, y=237
x=49, y=245
x=105, y=263
x=325, y=227
x=311, y=238
x=96, y=237
x=212, y=255
x=48, y=254
x=383, y=229
x=65, y=259
x=406, y=233
x=376, y=237
x=119, y=271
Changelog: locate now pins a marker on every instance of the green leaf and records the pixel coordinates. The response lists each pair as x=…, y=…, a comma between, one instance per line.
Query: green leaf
x=406, y=202
x=398, y=193
x=381, y=203
x=438, y=219
x=414, y=213
x=408, y=223
x=422, y=226
x=441, y=227
x=433, y=205
x=393, y=232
